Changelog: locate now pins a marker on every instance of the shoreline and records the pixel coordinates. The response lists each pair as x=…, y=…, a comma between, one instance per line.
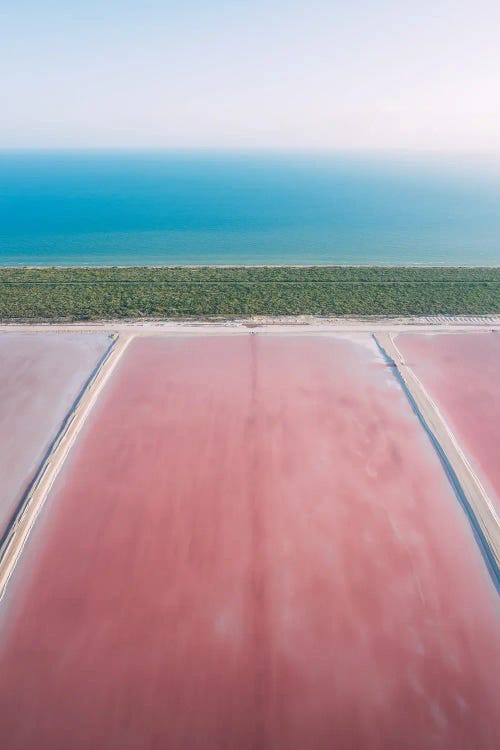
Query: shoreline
x=322, y=266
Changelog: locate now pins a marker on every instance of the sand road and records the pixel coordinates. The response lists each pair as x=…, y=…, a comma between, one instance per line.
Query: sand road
x=481, y=508
x=20, y=529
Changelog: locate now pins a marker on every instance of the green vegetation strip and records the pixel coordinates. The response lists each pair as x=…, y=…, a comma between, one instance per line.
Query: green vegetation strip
x=36, y=294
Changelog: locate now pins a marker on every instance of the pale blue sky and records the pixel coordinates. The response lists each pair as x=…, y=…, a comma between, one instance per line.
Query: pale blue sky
x=214, y=73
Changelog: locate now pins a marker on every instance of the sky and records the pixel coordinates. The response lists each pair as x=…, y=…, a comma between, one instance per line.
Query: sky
x=318, y=74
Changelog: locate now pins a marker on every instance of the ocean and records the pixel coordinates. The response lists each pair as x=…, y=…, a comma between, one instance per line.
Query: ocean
x=197, y=208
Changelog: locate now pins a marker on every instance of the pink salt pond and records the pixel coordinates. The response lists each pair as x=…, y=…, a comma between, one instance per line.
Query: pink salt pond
x=245, y=549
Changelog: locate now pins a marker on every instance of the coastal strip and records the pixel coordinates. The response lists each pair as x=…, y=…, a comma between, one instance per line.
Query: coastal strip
x=477, y=504
x=86, y=294
x=18, y=532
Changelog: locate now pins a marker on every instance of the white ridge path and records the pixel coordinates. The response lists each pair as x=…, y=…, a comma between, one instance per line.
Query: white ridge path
x=480, y=503
x=20, y=530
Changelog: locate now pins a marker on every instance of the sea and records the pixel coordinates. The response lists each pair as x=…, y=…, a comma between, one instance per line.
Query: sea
x=230, y=208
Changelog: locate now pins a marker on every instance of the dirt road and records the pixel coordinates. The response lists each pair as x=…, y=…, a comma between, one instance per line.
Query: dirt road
x=478, y=504
x=19, y=531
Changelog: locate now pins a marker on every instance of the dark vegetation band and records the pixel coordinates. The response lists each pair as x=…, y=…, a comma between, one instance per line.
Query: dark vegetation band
x=93, y=293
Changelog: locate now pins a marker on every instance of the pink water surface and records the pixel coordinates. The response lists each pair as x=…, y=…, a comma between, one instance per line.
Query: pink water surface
x=252, y=545
x=40, y=377
x=461, y=372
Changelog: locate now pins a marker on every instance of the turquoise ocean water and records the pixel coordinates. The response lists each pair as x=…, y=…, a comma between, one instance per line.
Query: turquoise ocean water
x=134, y=208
